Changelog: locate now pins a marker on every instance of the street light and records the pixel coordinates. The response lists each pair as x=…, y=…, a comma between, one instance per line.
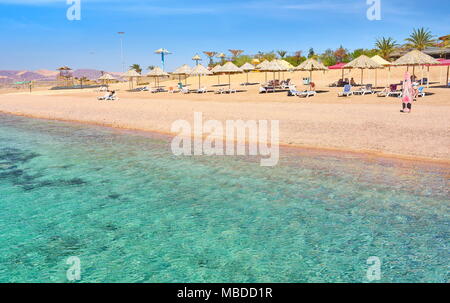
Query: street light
x=121, y=34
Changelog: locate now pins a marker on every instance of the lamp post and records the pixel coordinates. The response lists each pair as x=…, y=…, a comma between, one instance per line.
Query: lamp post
x=121, y=34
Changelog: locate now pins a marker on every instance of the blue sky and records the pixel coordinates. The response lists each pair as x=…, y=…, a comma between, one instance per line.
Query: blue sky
x=36, y=34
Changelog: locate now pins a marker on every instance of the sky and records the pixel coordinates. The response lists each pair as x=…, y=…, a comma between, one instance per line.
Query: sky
x=36, y=34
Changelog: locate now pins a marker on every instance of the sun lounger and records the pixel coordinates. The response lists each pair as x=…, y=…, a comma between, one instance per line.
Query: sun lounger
x=365, y=90
x=109, y=97
x=307, y=94
x=346, y=92
x=202, y=90
x=266, y=89
x=184, y=90
x=420, y=92
x=105, y=97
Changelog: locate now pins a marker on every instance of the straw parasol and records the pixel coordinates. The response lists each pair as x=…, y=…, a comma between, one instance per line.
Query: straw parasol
x=362, y=62
x=106, y=78
x=156, y=73
x=216, y=70
x=263, y=66
x=221, y=56
x=416, y=58
x=199, y=71
x=384, y=63
x=275, y=66
x=311, y=65
x=183, y=70
x=229, y=68
x=196, y=58
x=247, y=68
x=131, y=74
x=163, y=52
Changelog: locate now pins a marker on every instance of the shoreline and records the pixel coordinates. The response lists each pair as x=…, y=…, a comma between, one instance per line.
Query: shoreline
x=305, y=148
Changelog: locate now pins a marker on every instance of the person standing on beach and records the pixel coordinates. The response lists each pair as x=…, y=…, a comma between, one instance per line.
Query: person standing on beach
x=407, y=94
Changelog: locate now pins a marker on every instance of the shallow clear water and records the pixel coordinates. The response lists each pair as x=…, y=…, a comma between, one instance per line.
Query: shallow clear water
x=132, y=212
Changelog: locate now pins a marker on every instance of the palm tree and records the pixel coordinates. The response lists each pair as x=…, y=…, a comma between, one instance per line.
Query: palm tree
x=150, y=67
x=420, y=39
x=282, y=53
x=386, y=46
x=136, y=67
x=210, y=55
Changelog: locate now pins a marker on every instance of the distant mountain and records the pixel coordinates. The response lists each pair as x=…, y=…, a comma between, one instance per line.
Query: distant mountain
x=9, y=76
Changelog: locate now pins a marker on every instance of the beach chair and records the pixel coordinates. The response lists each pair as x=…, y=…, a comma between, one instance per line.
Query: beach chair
x=293, y=91
x=220, y=91
x=105, y=97
x=420, y=92
x=172, y=90
x=307, y=94
x=202, y=90
x=391, y=91
x=346, y=92
x=184, y=90
x=365, y=90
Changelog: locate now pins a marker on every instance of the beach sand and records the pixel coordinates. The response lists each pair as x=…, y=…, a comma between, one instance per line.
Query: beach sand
x=366, y=124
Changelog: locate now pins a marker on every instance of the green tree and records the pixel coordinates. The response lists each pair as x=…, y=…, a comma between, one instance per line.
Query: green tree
x=151, y=67
x=311, y=53
x=328, y=58
x=385, y=47
x=420, y=39
x=241, y=60
x=281, y=53
x=136, y=67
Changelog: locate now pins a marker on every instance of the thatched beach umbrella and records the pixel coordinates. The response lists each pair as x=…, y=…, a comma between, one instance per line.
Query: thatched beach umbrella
x=362, y=62
x=285, y=64
x=157, y=73
x=229, y=68
x=274, y=66
x=216, y=70
x=263, y=67
x=222, y=57
x=311, y=65
x=247, y=68
x=384, y=63
x=163, y=52
x=131, y=74
x=196, y=58
x=199, y=71
x=106, y=78
x=184, y=70
x=416, y=58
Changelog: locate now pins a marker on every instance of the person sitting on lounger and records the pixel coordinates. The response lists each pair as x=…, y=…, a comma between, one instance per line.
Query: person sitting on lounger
x=352, y=82
x=106, y=96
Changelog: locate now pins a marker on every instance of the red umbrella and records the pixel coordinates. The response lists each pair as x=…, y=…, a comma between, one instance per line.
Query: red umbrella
x=338, y=66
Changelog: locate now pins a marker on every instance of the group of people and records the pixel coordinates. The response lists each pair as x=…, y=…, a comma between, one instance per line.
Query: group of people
x=344, y=82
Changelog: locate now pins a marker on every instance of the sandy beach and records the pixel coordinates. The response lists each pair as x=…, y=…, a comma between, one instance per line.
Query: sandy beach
x=367, y=124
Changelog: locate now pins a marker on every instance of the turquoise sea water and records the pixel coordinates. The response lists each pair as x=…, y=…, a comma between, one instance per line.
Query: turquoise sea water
x=133, y=212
